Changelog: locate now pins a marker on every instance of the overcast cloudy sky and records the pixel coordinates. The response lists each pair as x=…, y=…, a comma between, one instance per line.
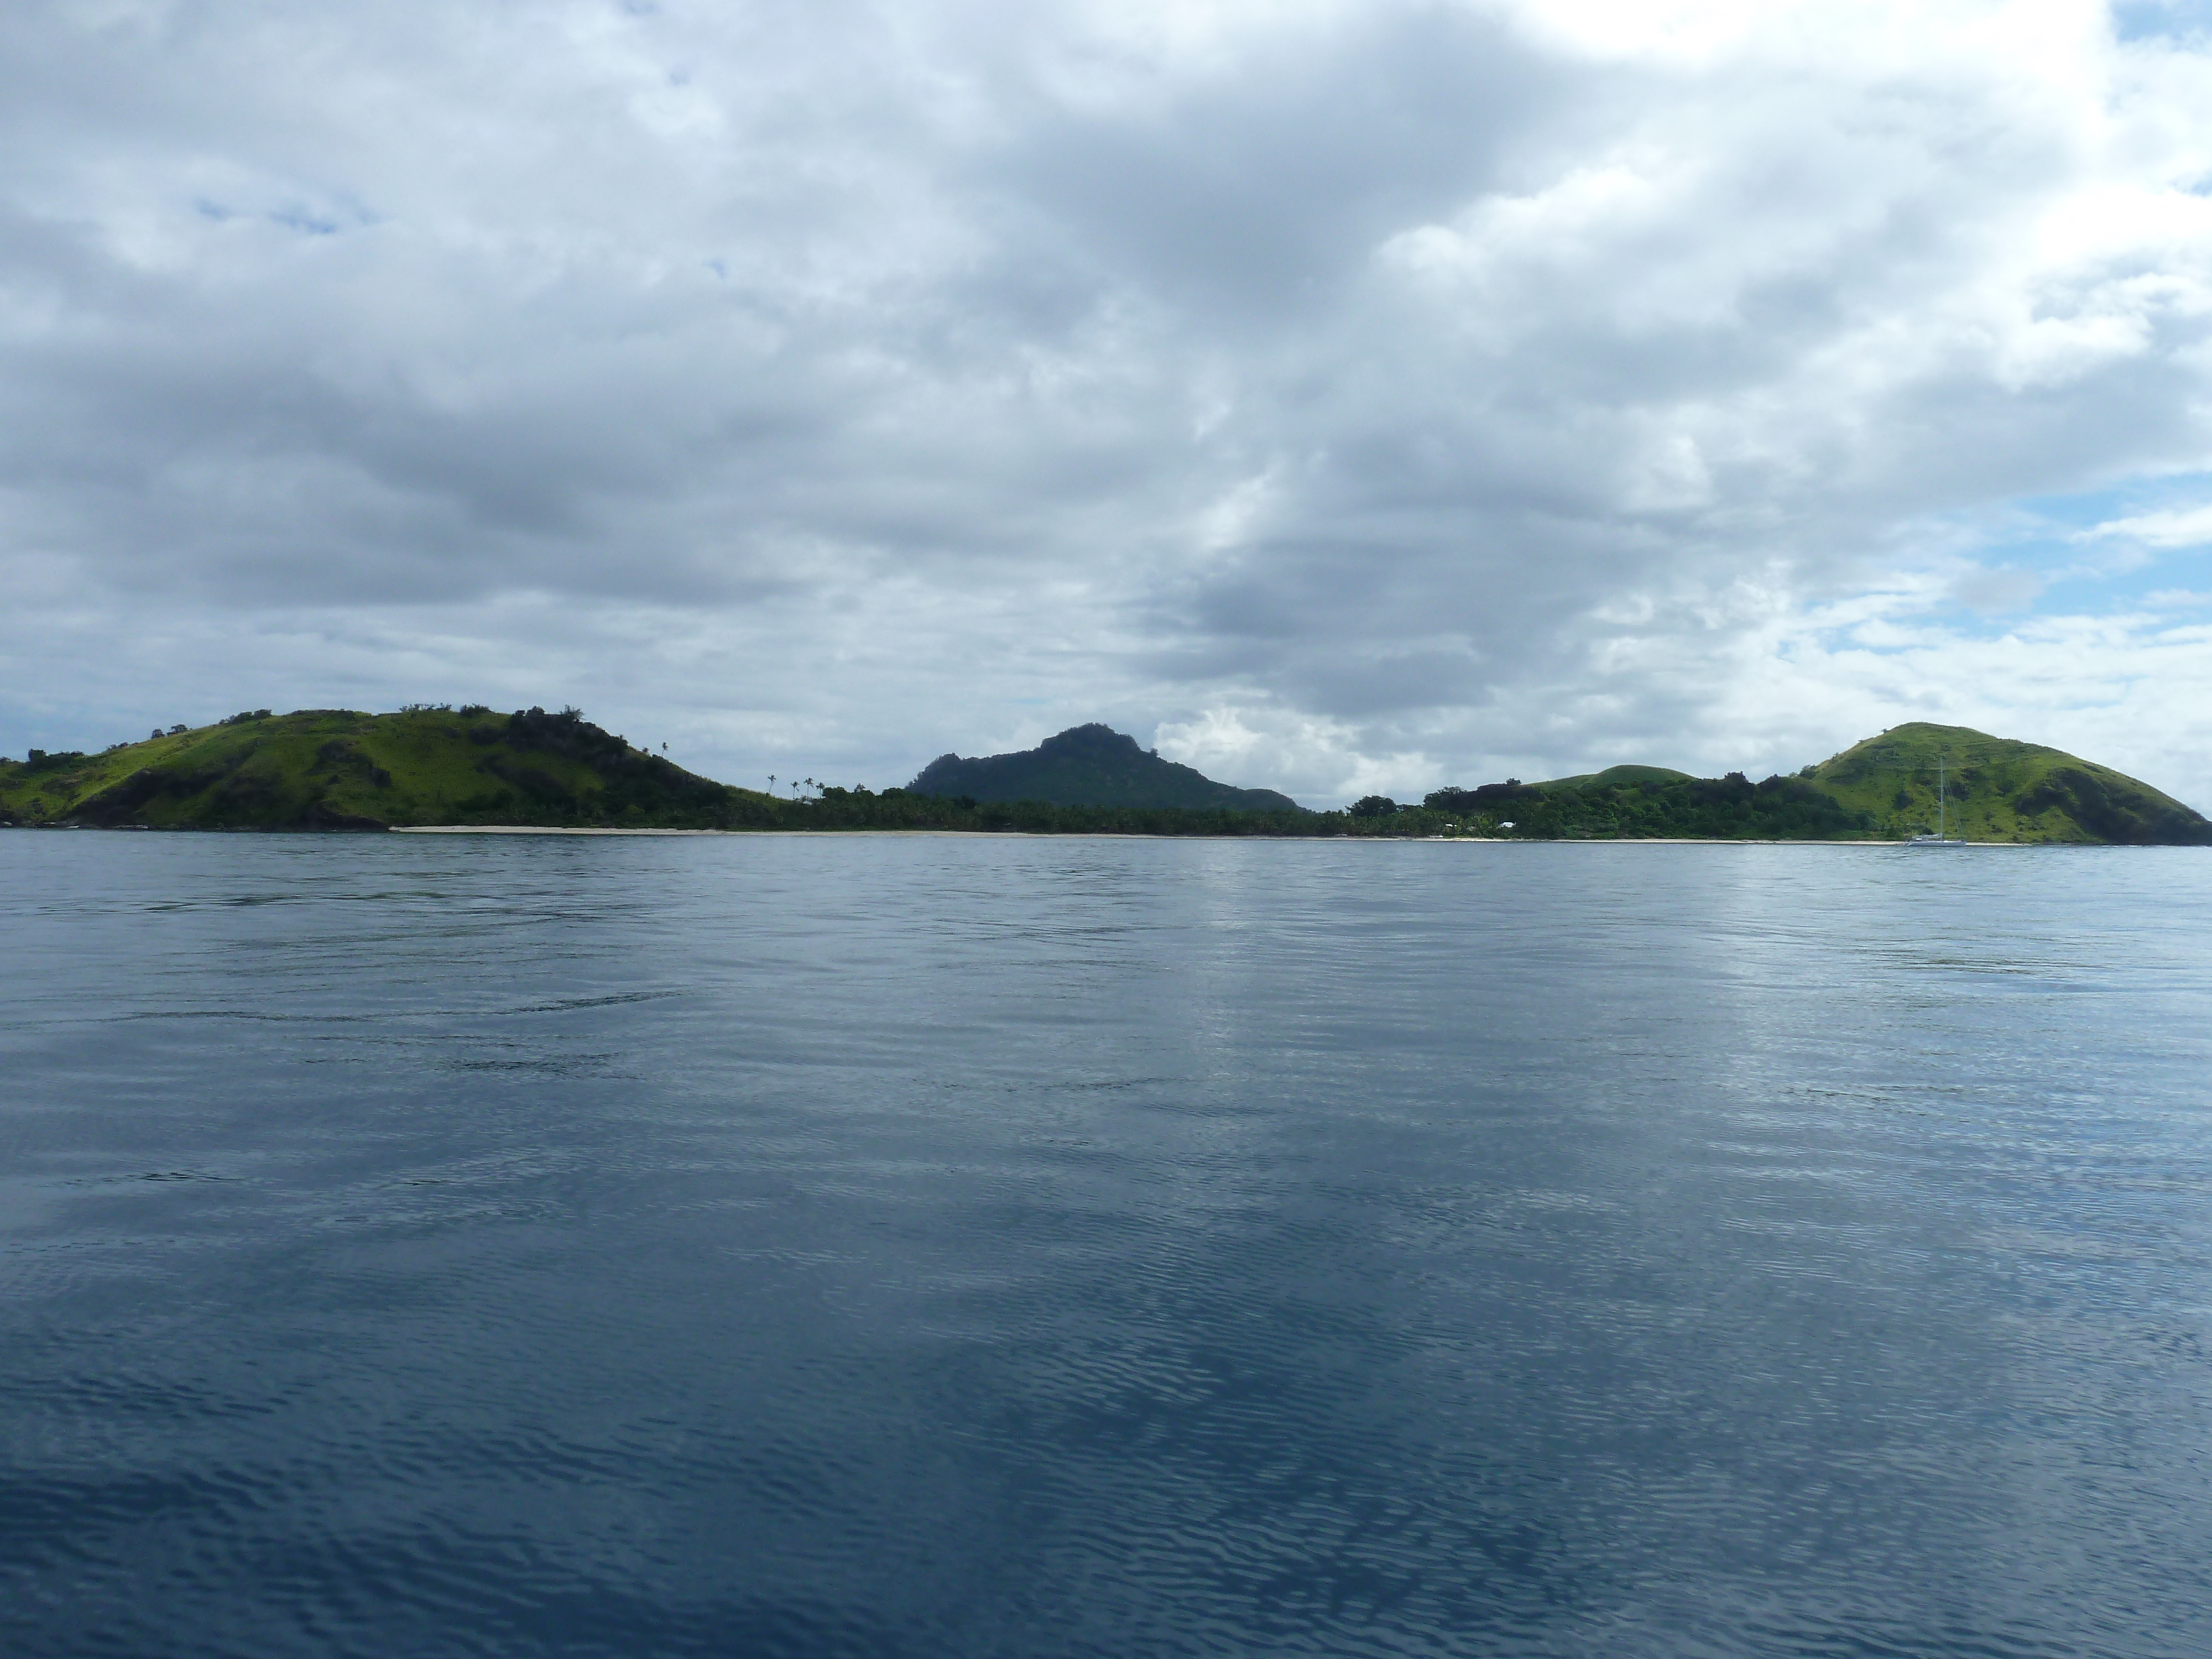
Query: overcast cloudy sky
x=1342, y=397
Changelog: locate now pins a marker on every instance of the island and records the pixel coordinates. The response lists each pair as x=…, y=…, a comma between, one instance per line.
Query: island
x=431, y=766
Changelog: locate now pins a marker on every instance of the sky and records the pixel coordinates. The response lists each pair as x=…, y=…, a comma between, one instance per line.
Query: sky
x=1339, y=397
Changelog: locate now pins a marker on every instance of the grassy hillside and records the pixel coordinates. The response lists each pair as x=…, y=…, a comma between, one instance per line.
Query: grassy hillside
x=1614, y=777
x=328, y=768
x=1998, y=789
x=1883, y=789
x=1091, y=766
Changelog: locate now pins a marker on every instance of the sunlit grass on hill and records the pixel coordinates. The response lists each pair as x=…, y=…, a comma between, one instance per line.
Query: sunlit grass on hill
x=338, y=769
x=1997, y=789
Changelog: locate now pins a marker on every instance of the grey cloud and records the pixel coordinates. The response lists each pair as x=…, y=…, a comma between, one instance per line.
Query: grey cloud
x=1252, y=199
x=871, y=380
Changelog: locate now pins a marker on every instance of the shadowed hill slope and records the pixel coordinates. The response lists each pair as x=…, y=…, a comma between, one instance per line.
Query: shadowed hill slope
x=1091, y=766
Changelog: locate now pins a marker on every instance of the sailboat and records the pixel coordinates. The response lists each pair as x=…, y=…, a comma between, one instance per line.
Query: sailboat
x=1941, y=838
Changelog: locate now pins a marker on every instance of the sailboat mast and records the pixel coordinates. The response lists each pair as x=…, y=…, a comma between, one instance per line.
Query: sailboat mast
x=1942, y=821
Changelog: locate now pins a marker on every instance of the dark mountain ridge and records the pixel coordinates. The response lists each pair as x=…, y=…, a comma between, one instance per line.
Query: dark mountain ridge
x=1090, y=765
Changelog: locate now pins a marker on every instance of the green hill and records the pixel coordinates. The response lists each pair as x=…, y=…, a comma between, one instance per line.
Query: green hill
x=1883, y=789
x=330, y=768
x=1999, y=789
x=1090, y=766
x=1614, y=776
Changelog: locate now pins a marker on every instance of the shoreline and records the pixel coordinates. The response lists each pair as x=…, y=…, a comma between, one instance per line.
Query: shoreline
x=1114, y=835
x=1060, y=835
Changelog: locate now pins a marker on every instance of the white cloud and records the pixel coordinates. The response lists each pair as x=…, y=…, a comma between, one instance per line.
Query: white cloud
x=2183, y=528
x=1422, y=392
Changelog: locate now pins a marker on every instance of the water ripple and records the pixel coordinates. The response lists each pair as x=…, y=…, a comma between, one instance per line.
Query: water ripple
x=1013, y=1248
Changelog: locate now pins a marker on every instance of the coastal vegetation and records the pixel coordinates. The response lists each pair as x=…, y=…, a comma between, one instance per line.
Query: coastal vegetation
x=433, y=765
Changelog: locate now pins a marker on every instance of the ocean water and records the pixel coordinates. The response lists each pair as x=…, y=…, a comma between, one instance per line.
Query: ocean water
x=1002, y=1246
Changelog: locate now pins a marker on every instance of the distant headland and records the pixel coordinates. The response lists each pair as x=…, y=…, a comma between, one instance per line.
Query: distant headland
x=434, y=766
x=1091, y=766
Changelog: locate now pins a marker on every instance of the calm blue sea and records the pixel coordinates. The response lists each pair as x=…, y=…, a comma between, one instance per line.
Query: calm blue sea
x=1004, y=1246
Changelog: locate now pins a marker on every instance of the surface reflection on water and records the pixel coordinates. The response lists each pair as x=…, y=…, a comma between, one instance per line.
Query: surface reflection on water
x=1009, y=1247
